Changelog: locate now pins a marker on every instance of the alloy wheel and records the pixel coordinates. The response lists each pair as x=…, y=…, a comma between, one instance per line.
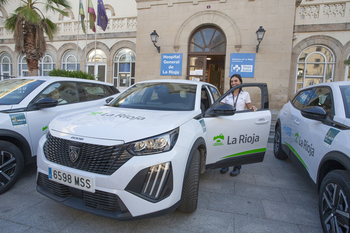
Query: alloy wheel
x=7, y=167
x=277, y=141
x=335, y=209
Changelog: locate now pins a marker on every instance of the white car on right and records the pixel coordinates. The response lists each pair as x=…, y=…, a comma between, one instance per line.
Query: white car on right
x=313, y=130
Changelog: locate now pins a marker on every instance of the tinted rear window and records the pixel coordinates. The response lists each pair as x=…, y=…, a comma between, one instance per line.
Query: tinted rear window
x=345, y=91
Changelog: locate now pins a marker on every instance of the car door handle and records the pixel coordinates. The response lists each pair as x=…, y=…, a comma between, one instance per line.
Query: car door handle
x=262, y=122
x=285, y=112
x=296, y=121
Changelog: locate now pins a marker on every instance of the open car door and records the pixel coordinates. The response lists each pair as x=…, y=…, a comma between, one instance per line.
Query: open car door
x=238, y=137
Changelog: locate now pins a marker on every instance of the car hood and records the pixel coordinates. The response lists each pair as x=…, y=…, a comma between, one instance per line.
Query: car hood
x=119, y=124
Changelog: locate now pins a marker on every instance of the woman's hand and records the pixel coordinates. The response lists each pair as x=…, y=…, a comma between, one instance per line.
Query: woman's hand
x=253, y=108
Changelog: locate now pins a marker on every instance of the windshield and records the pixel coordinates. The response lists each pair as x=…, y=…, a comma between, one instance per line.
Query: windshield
x=345, y=91
x=13, y=91
x=158, y=96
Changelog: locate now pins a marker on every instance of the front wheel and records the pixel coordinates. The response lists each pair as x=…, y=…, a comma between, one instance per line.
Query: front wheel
x=277, y=145
x=11, y=165
x=334, y=201
x=189, y=196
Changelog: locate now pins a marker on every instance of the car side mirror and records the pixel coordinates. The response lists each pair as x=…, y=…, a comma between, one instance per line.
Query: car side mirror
x=315, y=113
x=46, y=102
x=221, y=110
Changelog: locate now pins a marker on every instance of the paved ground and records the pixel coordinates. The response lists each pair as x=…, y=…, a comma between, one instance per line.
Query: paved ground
x=266, y=197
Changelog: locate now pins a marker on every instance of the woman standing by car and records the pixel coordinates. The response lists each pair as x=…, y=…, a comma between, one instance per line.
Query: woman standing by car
x=238, y=99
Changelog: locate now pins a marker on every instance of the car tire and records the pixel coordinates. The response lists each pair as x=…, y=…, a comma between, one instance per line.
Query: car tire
x=189, y=197
x=277, y=145
x=334, y=201
x=11, y=165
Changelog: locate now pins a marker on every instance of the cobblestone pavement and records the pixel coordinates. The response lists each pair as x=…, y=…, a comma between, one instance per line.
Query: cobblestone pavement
x=266, y=197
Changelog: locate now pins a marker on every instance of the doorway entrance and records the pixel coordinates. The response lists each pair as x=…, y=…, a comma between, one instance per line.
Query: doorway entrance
x=206, y=56
x=96, y=64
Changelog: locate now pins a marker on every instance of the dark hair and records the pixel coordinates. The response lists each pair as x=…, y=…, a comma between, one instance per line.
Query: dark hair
x=237, y=76
x=240, y=79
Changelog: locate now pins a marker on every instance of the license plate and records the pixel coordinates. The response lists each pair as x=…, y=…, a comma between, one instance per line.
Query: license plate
x=72, y=180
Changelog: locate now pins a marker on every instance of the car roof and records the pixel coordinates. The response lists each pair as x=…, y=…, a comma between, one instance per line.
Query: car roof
x=330, y=84
x=56, y=78
x=176, y=81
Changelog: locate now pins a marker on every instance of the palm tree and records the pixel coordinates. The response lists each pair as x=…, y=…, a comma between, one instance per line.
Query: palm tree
x=29, y=24
x=3, y=2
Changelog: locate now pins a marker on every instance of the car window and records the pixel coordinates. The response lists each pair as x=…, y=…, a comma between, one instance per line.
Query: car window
x=205, y=100
x=215, y=93
x=345, y=91
x=302, y=98
x=63, y=92
x=158, y=96
x=322, y=97
x=94, y=91
x=13, y=91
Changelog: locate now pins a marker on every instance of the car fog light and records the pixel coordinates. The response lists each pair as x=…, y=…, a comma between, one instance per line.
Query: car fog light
x=153, y=183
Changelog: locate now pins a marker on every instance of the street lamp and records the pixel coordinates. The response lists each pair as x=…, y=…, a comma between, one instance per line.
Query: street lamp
x=154, y=39
x=260, y=35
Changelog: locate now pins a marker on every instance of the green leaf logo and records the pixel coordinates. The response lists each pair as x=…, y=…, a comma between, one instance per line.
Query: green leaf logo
x=296, y=137
x=218, y=140
x=94, y=113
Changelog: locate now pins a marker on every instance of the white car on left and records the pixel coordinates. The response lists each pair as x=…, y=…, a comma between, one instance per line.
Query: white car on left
x=28, y=104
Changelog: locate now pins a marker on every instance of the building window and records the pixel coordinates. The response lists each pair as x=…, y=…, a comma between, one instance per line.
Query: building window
x=5, y=66
x=124, y=68
x=97, y=56
x=70, y=61
x=208, y=40
x=22, y=66
x=46, y=64
x=315, y=65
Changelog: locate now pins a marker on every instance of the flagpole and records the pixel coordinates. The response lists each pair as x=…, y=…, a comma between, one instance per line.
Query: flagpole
x=96, y=40
x=87, y=14
x=76, y=60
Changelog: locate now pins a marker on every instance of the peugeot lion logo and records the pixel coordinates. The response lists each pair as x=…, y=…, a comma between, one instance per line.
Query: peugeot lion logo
x=74, y=153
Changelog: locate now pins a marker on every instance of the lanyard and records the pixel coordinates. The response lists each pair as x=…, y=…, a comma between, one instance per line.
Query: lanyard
x=235, y=102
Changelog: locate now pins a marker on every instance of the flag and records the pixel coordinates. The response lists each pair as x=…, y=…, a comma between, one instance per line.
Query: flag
x=92, y=16
x=82, y=15
x=102, y=18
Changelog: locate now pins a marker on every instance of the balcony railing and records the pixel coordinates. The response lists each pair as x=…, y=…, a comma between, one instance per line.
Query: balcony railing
x=325, y=12
x=71, y=27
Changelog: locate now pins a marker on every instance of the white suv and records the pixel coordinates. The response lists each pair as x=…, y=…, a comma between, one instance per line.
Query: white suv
x=27, y=105
x=313, y=130
x=141, y=156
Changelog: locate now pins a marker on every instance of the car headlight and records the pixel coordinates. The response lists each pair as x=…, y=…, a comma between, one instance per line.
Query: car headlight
x=154, y=145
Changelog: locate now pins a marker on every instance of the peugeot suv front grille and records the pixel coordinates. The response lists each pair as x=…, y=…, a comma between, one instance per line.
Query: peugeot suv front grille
x=98, y=159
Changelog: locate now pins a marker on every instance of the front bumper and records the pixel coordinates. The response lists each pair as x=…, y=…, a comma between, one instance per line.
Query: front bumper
x=122, y=194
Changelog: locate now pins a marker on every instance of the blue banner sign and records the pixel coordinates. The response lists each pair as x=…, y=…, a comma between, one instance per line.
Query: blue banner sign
x=243, y=64
x=171, y=64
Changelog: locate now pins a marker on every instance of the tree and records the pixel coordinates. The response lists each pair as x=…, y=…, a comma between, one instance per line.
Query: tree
x=3, y=2
x=28, y=24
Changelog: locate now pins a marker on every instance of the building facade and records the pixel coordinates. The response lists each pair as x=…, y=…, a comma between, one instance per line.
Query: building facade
x=306, y=42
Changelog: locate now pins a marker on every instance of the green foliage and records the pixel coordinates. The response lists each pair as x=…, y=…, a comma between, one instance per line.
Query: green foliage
x=71, y=74
x=347, y=62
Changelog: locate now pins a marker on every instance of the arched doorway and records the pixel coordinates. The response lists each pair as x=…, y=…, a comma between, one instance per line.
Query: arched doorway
x=97, y=64
x=206, y=56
